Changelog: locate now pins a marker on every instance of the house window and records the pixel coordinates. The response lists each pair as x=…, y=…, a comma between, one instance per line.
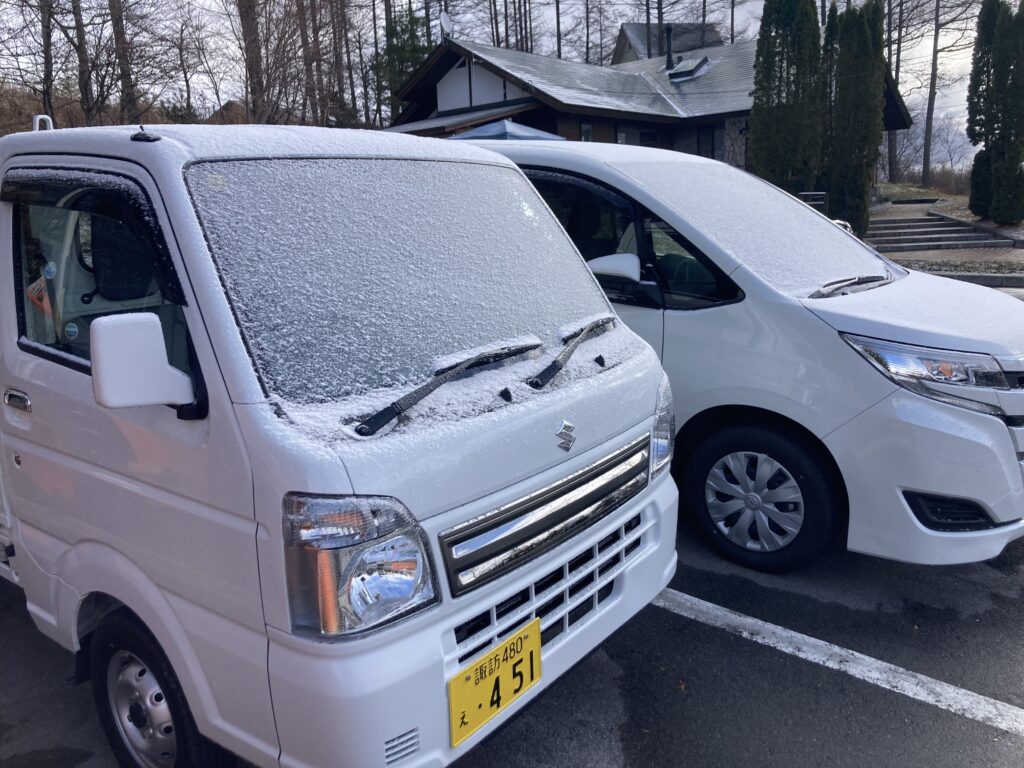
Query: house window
x=706, y=141
x=648, y=138
x=586, y=132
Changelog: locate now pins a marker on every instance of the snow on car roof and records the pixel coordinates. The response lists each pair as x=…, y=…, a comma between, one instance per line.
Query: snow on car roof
x=600, y=151
x=186, y=143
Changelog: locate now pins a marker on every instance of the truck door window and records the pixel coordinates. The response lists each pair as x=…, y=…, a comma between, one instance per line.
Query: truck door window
x=86, y=246
x=690, y=279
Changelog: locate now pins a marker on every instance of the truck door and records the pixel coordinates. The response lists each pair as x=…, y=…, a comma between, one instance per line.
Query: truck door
x=166, y=492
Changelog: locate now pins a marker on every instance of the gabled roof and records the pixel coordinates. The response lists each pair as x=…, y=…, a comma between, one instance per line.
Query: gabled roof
x=640, y=89
x=573, y=84
x=685, y=37
x=722, y=86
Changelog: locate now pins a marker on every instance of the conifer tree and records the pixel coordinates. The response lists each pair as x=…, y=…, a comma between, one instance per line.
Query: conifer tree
x=1007, y=102
x=980, y=118
x=785, y=121
x=857, y=114
x=829, y=57
x=979, y=130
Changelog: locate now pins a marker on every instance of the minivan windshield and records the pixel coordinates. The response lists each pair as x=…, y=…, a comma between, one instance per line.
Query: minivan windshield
x=780, y=239
x=351, y=275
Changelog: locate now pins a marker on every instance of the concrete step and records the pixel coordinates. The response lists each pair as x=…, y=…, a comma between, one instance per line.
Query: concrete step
x=959, y=237
x=930, y=232
x=936, y=224
x=911, y=220
x=942, y=246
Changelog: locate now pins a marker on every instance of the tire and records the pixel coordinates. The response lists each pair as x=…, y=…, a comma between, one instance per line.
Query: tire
x=765, y=499
x=140, y=704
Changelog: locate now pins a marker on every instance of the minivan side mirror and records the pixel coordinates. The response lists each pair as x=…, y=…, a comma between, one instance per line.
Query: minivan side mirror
x=129, y=363
x=622, y=265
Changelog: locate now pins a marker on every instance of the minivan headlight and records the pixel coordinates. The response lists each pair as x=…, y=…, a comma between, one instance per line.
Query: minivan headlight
x=923, y=370
x=663, y=438
x=354, y=563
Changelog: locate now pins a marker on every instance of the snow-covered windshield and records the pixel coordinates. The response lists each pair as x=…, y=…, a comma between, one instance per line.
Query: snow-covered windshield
x=351, y=275
x=779, y=238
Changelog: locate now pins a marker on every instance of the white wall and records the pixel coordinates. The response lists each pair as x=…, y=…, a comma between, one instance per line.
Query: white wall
x=453, y=89
x=488, y=88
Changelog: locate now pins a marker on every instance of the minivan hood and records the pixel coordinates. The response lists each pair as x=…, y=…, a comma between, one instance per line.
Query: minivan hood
x=464, y=441
x=930, y=311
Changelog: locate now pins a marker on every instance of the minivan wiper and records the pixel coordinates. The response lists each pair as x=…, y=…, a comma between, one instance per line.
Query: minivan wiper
x=572, y=341
x=442, y=376
x=832, y=288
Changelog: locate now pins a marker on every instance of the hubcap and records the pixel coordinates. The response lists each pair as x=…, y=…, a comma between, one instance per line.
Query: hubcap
x=141, y=711
x=754, y=501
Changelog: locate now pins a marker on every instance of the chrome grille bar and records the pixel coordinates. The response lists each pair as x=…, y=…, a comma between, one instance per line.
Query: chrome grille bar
x=483, y=549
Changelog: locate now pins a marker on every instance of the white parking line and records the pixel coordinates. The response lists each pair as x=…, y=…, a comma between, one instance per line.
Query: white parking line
x=997, y=714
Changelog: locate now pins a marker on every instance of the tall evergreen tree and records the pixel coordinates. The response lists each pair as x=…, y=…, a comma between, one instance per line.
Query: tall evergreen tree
x=1007, y=102
x=407, y=51
x=980, y=84
x=785, y=122
x=829, y=57
x=980, y=118
x=857, y=116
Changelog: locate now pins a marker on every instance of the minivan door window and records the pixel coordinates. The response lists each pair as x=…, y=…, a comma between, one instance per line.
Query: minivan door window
x=84, y=248
x=600, y=223
x=690, y=279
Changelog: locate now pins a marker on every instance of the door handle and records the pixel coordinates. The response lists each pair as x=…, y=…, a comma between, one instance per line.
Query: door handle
x=17, y=399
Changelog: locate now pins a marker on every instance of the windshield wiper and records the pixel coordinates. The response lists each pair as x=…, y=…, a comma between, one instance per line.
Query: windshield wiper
x=832, y=288
x=572, y=341
x=441, y=377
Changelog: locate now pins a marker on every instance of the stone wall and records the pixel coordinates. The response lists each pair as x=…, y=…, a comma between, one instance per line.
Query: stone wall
x=736, y=141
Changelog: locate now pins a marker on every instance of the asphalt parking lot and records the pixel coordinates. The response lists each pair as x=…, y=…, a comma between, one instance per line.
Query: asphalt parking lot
x=668, y=690
x=853, y=661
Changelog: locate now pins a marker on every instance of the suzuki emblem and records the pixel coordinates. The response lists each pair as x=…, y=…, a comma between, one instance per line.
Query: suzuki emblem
x=566, y=436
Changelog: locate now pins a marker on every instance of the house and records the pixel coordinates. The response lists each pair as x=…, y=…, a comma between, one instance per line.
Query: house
x=633, y=42
x=696, y=101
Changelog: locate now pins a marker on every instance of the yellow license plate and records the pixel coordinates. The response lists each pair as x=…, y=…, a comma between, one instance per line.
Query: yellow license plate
x=492, y=682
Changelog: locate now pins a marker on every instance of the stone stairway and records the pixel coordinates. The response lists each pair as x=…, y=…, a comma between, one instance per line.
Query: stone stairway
x=929, y=233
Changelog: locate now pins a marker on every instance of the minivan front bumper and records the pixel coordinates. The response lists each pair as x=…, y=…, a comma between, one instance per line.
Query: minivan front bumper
x=383, y=702
x=908, y=444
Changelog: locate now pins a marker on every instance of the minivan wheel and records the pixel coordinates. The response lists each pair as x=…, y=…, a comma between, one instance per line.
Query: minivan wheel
x=140, y=703
x=764, y=498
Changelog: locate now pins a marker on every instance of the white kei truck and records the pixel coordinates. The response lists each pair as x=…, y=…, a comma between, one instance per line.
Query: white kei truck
x=319, y=447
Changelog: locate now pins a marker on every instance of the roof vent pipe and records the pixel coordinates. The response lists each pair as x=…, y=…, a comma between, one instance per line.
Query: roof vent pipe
x=669, y=60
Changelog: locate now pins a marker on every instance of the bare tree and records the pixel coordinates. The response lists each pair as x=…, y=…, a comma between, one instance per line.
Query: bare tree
x=952, y=24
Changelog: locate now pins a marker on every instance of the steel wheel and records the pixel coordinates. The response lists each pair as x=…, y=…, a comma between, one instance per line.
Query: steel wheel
x=754, y=501
x=141, y=711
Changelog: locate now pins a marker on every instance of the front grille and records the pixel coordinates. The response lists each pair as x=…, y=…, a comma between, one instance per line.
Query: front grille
x=561, y=598
x=481, y=550
x=401, y=747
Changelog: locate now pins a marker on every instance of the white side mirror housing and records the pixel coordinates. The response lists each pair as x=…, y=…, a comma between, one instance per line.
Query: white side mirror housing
x=129, y=363
x=622, y=265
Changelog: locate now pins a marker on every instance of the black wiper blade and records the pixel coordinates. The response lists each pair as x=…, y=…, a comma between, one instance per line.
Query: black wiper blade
x=572, y=341
x=830, y=289
x=374, y=423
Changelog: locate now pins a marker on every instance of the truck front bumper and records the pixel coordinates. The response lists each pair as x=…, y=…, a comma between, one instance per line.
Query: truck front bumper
x=382, y=700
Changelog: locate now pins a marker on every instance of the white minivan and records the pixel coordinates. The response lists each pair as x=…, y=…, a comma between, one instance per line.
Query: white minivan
x=821, y=389
x=321, y=446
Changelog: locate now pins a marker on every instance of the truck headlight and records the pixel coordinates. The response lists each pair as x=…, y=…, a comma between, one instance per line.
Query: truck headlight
x=930, y=372
x=663, y=438
x=354, y=563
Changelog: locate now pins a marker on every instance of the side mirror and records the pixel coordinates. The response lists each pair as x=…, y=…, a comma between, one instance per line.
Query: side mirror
x=625, y=266
x=129, y=363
